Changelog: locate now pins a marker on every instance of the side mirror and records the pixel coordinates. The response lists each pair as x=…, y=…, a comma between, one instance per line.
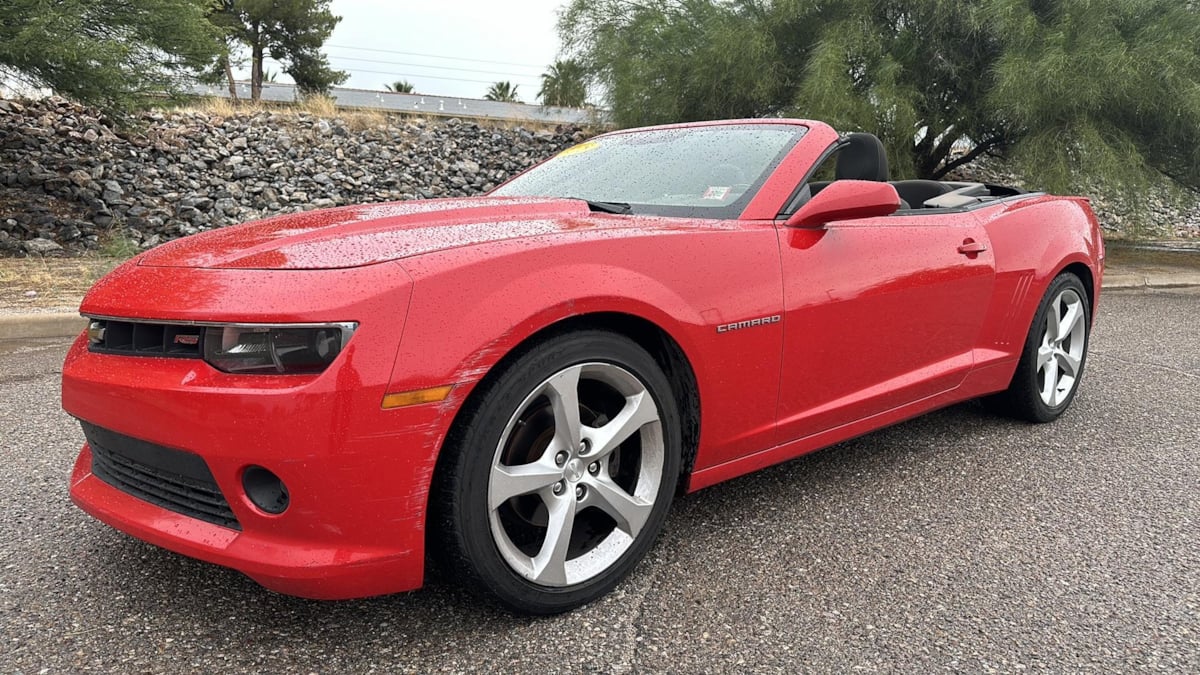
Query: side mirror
x=847, y=200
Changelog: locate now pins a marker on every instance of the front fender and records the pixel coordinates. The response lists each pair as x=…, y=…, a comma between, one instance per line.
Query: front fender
x=471, y=307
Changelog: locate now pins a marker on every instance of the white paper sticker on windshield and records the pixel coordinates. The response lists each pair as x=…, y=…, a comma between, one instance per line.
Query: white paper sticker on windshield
x=716, y=192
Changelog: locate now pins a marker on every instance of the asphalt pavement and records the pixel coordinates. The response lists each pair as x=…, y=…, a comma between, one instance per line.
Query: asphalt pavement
x=958, y=541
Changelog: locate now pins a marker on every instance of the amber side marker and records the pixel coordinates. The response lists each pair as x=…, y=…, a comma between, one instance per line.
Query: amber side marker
x=407, y=398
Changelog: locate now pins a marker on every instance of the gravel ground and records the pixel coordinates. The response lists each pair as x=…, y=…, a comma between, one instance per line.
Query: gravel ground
x=954, y=542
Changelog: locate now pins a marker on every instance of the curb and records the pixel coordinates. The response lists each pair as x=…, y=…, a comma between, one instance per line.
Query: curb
x=31, y=326
x=65, y=325
x=1126, y=280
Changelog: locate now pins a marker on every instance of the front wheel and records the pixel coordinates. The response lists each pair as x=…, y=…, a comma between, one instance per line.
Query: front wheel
x=1055, y=352
x=561, y=476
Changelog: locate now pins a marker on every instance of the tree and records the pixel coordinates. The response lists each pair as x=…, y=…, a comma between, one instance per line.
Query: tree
x=114, y=54
x=564, y=84
x=675, y=60
x=400, y=87
x=289, y=31
x=503, y=91
x=1107, y=90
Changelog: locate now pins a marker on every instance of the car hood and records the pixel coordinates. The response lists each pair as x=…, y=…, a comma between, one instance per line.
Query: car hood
x=361, y=235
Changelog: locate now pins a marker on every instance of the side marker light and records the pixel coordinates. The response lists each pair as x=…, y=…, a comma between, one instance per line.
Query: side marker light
x=407, y=398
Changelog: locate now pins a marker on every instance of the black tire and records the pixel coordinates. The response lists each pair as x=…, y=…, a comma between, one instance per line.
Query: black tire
x=1024, y=397
x=463, y=521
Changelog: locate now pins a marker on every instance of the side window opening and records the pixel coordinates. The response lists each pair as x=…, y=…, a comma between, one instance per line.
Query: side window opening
x=825, y=173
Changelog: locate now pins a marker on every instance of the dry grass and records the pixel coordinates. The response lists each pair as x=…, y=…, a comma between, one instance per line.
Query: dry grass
x=39, y=284
x=217, y=106
x=321, y=106
x=357, y=119
x=363, y=120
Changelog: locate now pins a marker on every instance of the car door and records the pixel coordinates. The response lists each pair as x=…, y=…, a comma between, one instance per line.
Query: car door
x=878, y=313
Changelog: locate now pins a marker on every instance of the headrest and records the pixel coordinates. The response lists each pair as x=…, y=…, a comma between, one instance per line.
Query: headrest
x=864, y=158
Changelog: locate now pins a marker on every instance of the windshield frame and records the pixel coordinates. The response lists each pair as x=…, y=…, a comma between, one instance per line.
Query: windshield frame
x=730, y=211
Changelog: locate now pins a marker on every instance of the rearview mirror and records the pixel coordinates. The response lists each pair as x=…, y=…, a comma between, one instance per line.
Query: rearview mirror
x=847, y=200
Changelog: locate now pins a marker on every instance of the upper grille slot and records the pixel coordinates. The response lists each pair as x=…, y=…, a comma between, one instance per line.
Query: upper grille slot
x=144, y=338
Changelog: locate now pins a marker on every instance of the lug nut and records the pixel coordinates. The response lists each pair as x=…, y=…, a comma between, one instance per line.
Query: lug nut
x=559, y=487
x=584, y=446
x=580, y=491
x=594, y=468
x=561, y=457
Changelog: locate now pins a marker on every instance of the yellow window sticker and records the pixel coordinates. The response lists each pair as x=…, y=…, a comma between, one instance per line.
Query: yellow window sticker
x=582, y=147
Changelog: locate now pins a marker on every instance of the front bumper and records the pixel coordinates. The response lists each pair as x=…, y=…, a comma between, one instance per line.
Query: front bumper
x=357, y=475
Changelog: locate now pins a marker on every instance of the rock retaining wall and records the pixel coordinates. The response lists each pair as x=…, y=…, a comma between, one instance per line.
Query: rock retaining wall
x=69, y=180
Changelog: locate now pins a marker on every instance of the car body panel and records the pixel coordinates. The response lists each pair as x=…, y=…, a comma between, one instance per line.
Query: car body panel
x=649, y=276
x=354, y=236
x=879, y=312
x=797, y=338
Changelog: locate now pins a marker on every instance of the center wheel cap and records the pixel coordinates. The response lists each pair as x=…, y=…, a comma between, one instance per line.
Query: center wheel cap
x=574, y=469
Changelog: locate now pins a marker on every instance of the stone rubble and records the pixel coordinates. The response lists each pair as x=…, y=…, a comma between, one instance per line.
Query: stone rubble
x=71, y=181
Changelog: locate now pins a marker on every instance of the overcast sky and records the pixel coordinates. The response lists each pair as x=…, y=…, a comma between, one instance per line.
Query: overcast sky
x=444, y=47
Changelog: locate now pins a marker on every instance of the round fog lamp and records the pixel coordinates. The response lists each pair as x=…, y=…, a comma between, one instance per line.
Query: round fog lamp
x=265, y=490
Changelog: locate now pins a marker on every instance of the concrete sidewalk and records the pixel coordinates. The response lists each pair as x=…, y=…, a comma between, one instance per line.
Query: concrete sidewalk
x=44, y=325
x=1120, y=275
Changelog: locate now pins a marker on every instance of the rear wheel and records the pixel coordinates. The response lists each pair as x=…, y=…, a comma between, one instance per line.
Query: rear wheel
x=562, y=475
x=1055, y=352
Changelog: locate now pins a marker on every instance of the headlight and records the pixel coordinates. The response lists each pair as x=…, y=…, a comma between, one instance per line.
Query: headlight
x=275, y=349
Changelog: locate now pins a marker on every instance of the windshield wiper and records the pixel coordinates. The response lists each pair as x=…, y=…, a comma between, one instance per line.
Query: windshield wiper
x=607, y=207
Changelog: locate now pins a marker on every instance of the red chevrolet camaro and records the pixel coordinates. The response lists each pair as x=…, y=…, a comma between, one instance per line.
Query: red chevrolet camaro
x=518, y=384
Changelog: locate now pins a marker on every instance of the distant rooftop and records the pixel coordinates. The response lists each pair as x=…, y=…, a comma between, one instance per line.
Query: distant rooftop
x=425, y=104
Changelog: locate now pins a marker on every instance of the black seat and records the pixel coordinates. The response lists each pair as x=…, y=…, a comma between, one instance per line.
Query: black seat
x=863, y=158
x=915, y=192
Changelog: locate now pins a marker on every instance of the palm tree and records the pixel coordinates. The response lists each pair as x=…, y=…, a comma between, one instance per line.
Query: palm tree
x=564, y=84
x=400, y=87
x=503, y=91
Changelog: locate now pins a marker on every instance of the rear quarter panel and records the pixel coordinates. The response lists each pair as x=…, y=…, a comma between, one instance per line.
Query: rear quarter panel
x=1033, y=240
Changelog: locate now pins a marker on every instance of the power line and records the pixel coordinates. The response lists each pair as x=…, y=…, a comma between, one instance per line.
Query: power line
x=423, y=65
x=433, y=77
x=437, y=56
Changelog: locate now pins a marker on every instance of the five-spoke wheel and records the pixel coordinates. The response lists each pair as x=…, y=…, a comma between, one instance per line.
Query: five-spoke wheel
x=576, y=474
x=582, y=448
x=1051, y=365
x=1060, y=354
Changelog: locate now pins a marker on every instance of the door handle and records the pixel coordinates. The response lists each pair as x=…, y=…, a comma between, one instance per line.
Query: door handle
x=971, y=247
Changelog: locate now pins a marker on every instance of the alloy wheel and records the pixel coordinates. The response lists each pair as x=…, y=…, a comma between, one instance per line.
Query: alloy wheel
x=576, y=474
x=1060, y=354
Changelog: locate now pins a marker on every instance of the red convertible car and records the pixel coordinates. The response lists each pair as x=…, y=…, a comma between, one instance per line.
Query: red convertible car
x=515, y=386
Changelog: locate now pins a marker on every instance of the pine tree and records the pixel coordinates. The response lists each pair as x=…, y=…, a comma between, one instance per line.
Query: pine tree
x=289, y=31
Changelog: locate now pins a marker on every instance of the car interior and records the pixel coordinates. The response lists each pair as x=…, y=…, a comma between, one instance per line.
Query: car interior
x=861, y=156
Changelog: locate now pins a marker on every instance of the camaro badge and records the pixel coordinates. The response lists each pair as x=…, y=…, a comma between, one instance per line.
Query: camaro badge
x=748, y=323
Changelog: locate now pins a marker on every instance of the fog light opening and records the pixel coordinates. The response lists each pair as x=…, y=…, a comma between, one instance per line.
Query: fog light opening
x=265, y=490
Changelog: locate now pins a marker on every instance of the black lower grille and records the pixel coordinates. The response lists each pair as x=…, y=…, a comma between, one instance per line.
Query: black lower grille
x=175, y=480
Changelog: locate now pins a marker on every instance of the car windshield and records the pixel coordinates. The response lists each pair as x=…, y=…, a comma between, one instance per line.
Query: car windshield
x=705, y=172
